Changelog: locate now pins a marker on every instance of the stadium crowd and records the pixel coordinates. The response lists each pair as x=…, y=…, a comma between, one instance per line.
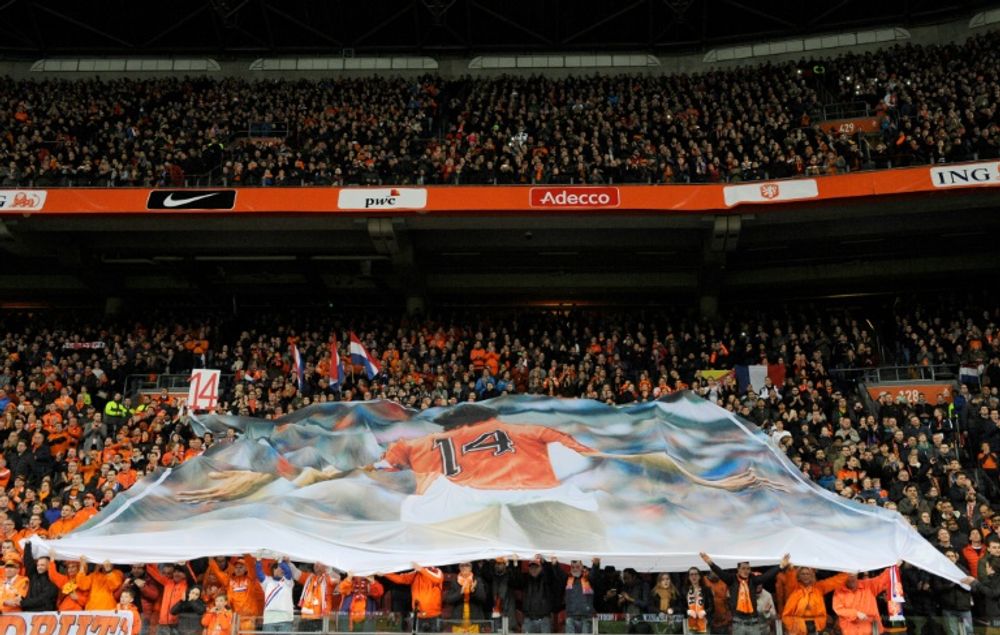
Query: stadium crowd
x=936, y=104
x=74, y=438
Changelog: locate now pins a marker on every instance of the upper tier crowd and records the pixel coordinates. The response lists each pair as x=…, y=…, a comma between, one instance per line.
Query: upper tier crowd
x=936, y=104
x=73, y=438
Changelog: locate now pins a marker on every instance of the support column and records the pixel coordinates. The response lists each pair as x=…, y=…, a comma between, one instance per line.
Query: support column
x=723, y=238
x=113, y=306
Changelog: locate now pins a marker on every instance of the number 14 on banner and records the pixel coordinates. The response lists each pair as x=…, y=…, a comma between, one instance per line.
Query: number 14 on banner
x=204, y=391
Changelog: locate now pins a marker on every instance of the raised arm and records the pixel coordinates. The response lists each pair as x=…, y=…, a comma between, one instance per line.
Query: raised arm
x=57, y=578
x=725, y=576
x=217, y=571
x=154, y=572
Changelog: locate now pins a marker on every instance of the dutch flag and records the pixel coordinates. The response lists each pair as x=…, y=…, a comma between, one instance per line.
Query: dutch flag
x=336, y=365
x=361, y=356
x=300, y=369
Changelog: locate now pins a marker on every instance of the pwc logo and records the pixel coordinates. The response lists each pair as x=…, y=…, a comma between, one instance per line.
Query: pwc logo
x=968, y=175
x=574, y=197
x=382, y=198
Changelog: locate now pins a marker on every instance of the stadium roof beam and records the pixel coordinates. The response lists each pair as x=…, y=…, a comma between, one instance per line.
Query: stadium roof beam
x=176, y=25
x=298, y=23
x=605, y=20
x=761, y=13
x=83, y=25
x=502, y=18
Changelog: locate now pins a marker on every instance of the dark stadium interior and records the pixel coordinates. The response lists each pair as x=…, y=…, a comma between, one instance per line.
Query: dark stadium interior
x=242, y=27
x=885, y=247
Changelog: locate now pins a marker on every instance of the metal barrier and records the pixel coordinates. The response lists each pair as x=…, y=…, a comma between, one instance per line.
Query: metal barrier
x=385, y=623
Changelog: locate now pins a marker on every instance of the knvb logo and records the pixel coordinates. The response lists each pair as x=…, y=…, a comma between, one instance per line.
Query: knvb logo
x=965, y=175
x=575, y=197
x=191, y=199
x=389, y=198
x=22, y=200
x=770, y=190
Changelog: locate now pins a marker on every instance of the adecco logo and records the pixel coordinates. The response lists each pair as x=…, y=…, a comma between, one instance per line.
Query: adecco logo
x=581, y=197
x=22, y=200
x=965, y=175
x=389, y=198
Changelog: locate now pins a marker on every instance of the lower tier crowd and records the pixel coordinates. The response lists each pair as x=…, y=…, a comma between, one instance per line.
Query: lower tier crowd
x=215, y=595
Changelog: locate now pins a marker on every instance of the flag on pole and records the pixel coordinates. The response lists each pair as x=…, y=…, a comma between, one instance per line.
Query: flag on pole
x=336, y=365
x=359, y=355
x=300, y=369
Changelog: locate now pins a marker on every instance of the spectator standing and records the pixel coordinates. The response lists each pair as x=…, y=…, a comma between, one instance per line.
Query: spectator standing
x=279, y=606
x=43, y=594
x=743, y=593
x=188, y=613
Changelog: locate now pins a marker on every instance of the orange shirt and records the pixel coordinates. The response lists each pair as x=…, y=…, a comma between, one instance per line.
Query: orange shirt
x=807, y=603
x=245, y=594
x=486, y=455
x=61, y=527
x=13, y=589
x=220, y=623
x=102, y=586
x=847, y=604
x=173, y=592
x=67, y=590
x=136, y=618
x=28, y=532
x=85, y=514
x=127, y=478
x=426, y=587
x=320, y=595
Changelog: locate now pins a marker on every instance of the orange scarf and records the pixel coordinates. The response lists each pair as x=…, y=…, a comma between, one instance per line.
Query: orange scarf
x=359, y=600
x=697, y=623
x=584, y=583
x=465, y=580
x=743, y=603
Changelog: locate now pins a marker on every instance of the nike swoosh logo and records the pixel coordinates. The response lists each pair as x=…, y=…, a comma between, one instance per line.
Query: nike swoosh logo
x=170, y=201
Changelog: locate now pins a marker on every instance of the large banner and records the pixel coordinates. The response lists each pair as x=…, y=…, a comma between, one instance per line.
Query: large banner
x=374, y=487
x=67, y=623
x=520, y=199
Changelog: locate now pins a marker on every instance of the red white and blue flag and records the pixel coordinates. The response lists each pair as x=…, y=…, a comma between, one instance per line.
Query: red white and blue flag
x=360, y=355
x=300, y=368
x=336, y=365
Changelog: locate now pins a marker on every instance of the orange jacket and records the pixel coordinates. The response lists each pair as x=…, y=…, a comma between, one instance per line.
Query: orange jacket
x=102, y=586
x=320, y=595
x=848, y=603
x=784, y=584
x=61, y=527
x=245, y=594
x=220, y=623
x=13, y=589
x=807, y=604
x=136, y=617
x=173, y=592
x=426, y=586
x=67, y=590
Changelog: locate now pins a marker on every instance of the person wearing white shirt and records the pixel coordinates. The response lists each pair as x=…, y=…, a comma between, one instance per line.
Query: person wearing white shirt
x=279, y=607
